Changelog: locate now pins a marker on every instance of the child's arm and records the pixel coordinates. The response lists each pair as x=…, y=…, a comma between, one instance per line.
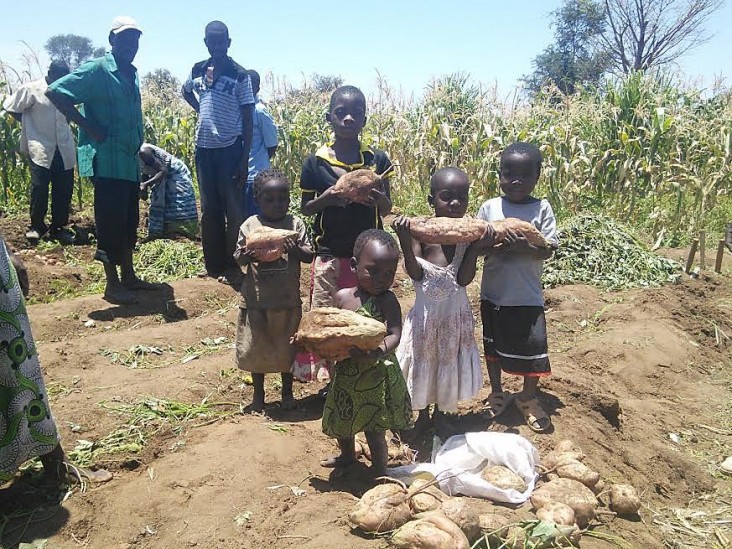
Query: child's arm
x=517, y=243
x=300, y=248
x=389, y=305
x=314, y=197
x=311, y=204
x=410, y=248
x=242, y=256
x=381, y=198
x=469, y=264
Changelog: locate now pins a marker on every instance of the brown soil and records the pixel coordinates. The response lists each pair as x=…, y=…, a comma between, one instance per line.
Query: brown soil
x=632, y=370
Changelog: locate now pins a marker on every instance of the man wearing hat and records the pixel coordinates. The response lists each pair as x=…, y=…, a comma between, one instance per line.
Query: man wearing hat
x=47, y=141
x=110, y=137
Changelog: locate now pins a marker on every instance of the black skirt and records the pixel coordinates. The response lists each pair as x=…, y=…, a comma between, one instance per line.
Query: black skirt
x=516, y=337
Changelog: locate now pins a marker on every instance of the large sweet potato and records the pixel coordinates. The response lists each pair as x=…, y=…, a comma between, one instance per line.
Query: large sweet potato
x=446, y=230
x=579, y=471
x=431, y=530
x=381, y=509
x=556, y=459
x=461, y=513
x=503, y=478
x=524, y=228
x=556, y=512
x=356, y=185
x=424, y=498
x=570, y=492
x=268, y=242
x=624, y=499
x=330, y=333
x=495, y=526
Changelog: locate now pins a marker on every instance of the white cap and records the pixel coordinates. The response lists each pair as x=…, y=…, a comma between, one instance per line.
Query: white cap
x=123, y=23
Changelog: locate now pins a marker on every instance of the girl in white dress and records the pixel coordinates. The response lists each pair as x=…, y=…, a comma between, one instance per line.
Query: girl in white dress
x=438, y=354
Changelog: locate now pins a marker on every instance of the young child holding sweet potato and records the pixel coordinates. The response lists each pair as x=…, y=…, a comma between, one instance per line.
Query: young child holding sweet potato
x=337, y=220
x=438, y=355
x=368, y=392
x=512, y=302
x=271, y=307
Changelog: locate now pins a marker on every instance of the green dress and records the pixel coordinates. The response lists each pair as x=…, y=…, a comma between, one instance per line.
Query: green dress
x=367, y=396
x=27, y=429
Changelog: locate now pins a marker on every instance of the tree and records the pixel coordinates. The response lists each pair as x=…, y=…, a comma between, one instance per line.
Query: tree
x=576, y=56
x=326, y=83
x=72, y=48
x=642, y=34
x=161, y=83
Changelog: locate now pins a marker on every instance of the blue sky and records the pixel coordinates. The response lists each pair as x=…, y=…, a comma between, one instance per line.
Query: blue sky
x=408, y=42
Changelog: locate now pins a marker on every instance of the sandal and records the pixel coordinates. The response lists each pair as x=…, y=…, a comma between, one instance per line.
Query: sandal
x=535, y=416
x=496, y=403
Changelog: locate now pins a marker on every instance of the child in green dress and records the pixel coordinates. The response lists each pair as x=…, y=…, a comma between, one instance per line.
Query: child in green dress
x=369, y=393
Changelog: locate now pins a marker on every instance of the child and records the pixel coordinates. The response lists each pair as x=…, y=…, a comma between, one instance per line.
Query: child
x=264, y=143
x=271, y=308
x=512, y=302
x=220, y=91
x=438, y=355
x=368, y=392
x=337, y=222
x=172, y=200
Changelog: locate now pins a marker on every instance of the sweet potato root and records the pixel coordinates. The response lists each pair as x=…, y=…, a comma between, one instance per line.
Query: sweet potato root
x=624, y=499
x=331, y=332
x=502, y=477
x=381, y=509
x=268, y=242
x=570, y=492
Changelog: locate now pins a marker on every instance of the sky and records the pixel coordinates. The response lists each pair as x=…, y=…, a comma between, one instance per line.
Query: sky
x=406, y=42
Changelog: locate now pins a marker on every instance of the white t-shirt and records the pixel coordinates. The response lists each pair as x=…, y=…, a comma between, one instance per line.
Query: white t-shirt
x=514, y=280
x=44, y=128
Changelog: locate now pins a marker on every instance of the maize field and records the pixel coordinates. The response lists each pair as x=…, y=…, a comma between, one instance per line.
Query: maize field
x=654, y=156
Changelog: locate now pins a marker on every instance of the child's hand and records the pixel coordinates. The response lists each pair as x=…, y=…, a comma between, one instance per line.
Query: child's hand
x=375, y=197
x=516, y=242
x=366, y=356
x=295, y=343
x=251, y=255
x=402, y=227
x=334, y=198
x=485, y=242
x=289, y=245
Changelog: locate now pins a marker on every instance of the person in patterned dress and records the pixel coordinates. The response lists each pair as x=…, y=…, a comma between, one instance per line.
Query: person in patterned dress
x=27, y=428
x=368, y=393
x=172, y=200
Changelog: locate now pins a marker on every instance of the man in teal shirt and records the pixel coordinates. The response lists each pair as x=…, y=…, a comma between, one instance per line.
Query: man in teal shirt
x=111, y=135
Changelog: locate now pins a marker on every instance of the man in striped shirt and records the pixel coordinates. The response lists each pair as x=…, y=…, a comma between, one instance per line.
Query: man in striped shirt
x=221, y=93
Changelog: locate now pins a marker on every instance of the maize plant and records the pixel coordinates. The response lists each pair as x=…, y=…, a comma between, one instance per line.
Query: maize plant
x=642, y=150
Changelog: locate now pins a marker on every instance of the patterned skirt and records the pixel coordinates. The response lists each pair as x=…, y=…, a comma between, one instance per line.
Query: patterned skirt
x=366, y=396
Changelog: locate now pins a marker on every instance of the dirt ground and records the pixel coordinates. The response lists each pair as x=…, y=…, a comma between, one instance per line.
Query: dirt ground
x=642, y=382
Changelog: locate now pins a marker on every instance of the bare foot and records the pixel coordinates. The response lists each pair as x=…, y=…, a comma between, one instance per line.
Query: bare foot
x=118, y=295
x=288, y=403
x=59, y=472
x=337, y=462
x=257, y=405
